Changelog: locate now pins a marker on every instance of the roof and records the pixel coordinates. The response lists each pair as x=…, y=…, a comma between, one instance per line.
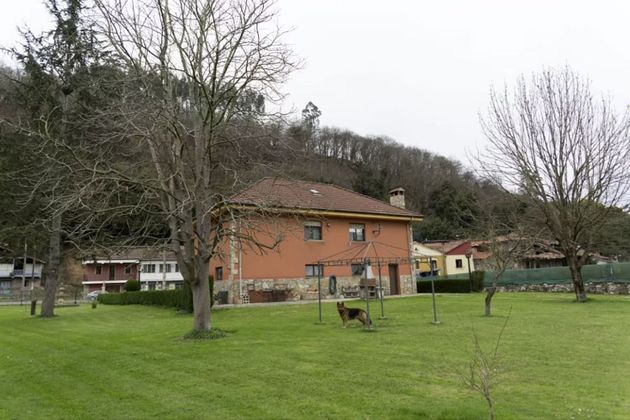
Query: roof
x=132, y=254
x=445, y=247
x=305, y=195
x=419, y=249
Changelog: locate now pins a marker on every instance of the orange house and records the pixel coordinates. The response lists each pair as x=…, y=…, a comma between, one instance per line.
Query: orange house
x=313, y=223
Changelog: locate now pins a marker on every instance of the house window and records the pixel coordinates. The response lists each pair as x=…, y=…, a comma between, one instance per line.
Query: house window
x=357, y=269
x=148, y=268
x=176, y=268
x=127, y=269
x=98, y=269
x=417, y=265
x=314, y=270
x=313, y=231
x=459, y=264
x=357, y=232
x=218, y=273
x=165, y=268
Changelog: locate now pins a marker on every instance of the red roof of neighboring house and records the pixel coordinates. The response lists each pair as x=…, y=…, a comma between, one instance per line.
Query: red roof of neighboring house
x=449, y=247
x=305, y=195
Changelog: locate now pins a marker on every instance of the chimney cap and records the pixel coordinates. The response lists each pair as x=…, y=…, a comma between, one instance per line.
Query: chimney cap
x=396, y=190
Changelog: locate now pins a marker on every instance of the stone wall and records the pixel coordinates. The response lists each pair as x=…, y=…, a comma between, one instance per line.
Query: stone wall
x=305, y=288
x=592, y=288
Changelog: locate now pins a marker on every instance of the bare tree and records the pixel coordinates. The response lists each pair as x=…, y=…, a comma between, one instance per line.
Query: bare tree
x=567, y=154
x=485, y=369
x=200, y=78
x=505, y=251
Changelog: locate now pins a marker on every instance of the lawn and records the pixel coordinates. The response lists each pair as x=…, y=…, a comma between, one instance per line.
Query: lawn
x=560, y=360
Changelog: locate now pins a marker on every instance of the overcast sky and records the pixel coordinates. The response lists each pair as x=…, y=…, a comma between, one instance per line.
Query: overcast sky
x=419, y=71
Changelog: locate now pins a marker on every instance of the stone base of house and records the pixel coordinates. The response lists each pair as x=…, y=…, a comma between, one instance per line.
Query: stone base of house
x=303, y=288
x=592, y=288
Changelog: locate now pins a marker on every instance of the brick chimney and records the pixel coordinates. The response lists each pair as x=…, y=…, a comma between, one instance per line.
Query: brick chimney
x=397, y=197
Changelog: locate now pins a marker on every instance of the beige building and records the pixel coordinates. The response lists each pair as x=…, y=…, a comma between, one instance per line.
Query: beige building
x=456, y=254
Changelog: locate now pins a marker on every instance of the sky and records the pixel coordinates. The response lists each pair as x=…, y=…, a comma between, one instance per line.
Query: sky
x=420, y=72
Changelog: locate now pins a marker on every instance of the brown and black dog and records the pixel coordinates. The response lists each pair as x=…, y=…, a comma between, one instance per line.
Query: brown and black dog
x=348, y=314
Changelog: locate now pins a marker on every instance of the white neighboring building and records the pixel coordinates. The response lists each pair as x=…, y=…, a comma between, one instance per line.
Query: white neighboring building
x=16, y=273
x=160, y=274
x=156, y=270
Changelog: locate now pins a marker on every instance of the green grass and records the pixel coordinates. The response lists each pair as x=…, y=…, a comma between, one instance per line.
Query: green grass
x=561, y=360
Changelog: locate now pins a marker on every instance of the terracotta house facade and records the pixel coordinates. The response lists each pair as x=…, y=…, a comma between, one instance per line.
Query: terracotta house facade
x=314, y=223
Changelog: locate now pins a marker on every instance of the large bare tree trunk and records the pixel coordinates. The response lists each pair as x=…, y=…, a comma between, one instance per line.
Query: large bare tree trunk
x=52, y=277
x=201, y=298
x=489, y=294
x=578, y=281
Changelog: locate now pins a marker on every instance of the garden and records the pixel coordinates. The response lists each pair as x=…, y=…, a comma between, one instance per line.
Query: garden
x=556, y=359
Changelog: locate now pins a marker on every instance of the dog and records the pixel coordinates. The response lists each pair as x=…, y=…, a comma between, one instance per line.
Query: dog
x=348, y=314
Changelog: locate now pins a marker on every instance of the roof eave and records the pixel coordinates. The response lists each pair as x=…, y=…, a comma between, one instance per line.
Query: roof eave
x=332, y=213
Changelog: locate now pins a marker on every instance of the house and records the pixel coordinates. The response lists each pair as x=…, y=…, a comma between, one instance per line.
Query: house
x=18, y=271
x=457, y=256
x=428, y=262
x=155, y=269
x=317, y=230
x=541, y=254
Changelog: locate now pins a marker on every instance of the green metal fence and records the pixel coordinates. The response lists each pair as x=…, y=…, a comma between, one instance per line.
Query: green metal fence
x=600, y=273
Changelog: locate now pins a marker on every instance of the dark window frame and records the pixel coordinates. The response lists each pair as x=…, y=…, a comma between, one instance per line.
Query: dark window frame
x=356, y=232
x=313, y=231
x=311, y=271
x=356, y=269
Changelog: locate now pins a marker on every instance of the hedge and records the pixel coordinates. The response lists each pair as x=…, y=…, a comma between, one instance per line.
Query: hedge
x=178, y=298
x=453, y=286
x=132, y=286
x=167, y=298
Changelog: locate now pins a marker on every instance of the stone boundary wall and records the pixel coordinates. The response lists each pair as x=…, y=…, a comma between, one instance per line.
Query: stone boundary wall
x=305, y=288
x=592, y=288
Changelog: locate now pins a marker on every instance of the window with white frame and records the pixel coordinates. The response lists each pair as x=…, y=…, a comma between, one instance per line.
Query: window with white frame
x=357, y=232
x=312, y=231
x=148, y=268
x=165, y=268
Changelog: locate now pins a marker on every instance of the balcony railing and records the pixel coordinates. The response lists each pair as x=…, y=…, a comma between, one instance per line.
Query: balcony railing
x=27, y=274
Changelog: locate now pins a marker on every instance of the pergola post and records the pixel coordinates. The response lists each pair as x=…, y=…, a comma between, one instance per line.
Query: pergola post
x=435, y=320
x=319, y=291
x=368, y=325
x=380, y=286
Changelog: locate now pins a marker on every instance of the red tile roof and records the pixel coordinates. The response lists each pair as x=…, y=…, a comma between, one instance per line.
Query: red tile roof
x=445, y=247
x=304, y=195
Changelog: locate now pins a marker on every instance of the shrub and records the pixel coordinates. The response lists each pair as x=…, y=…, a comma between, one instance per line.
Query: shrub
x=179, y=298
x=478, y=280
x=167, y=298
x=132, y=285
x=453, y=285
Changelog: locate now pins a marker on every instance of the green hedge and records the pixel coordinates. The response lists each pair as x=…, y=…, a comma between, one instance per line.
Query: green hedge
x=168, y=298
x=132, y=286
x=453, y=286
x=179, y=298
